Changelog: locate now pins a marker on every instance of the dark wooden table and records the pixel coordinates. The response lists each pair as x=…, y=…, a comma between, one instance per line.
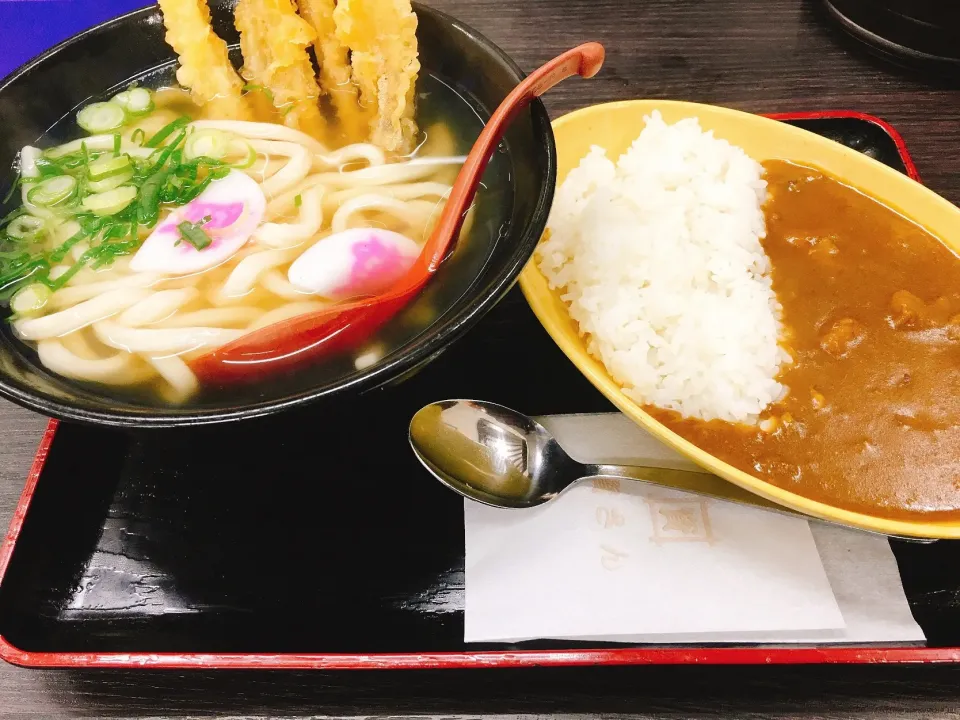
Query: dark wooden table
x=757, y=55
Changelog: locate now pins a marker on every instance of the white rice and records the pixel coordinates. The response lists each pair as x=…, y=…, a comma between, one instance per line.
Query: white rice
x=659, y=260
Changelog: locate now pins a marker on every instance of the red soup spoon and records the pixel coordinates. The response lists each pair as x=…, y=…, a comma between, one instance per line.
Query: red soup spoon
x=305, y=338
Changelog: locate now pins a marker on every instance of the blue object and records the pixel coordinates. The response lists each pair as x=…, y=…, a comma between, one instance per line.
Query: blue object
x=32, y=26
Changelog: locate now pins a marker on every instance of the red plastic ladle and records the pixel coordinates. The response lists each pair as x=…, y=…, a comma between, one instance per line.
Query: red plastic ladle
x=287, y=344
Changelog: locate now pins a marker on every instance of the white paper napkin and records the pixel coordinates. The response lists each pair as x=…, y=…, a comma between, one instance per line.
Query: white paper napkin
x=629, y=562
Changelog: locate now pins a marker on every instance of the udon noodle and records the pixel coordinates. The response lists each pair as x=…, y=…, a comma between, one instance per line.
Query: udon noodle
x=120, y=327
x=188, y=218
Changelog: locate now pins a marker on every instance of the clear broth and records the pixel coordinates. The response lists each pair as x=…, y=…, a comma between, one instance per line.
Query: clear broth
x=438, y=103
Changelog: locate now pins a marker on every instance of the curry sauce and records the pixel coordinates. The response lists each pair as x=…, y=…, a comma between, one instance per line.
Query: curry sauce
x=871, y=317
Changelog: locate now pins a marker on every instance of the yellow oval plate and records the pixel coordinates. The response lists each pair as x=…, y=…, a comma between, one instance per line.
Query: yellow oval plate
x=614, y=126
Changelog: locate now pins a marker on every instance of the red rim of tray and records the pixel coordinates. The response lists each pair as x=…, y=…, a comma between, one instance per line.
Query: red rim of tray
x=479, y=659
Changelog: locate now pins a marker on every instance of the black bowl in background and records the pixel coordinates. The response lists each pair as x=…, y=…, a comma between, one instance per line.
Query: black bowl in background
x=38, y=95
x=917, y=33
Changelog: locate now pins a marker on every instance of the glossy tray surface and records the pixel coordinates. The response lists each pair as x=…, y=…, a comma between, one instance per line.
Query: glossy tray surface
x=316, y=539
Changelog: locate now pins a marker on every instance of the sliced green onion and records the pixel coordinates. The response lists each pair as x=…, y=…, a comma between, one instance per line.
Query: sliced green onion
x=11, y=216
x=141, y=153
x=61, y=252
x=13, y=189
x=29, y=299
x=48, y=168
x=65, y=277
x=101, y=117
x=194, y=233
x=241, y=146
x=52, y=191
x=104, y=167
x=94, y=142
x=109, y=183
x=56, y=272
x=107, y=252
x=117, y=141
x=253, y=87
x=137, y=101
x=117, y=230
x=148, y=209
x=167, y=130
x=207, y=143
x=10, y=280
x=168, y=150
x=192, y=192
x=90, y=224
x=138, y=136
x=217, y=145
x=60, y=165
x=25, y=227
x=110, y=202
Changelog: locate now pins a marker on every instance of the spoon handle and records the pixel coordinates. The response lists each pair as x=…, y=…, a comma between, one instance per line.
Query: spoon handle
x=584, y=60
x=699, y=483
x=706, y=484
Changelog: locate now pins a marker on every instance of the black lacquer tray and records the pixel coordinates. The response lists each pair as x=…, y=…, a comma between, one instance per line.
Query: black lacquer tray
x=316, y=540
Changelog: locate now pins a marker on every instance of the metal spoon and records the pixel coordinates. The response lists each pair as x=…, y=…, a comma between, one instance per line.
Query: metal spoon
x=497, y=456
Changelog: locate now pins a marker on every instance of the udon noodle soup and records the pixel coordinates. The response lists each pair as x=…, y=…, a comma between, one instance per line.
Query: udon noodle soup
x=124, y=289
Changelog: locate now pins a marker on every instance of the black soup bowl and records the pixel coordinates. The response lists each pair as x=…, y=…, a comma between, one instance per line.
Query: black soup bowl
x=38, y=105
